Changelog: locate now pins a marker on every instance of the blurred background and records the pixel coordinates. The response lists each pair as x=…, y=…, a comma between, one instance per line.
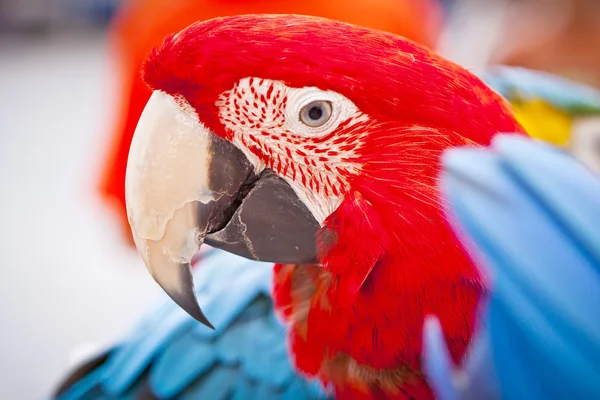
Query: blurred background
x=71, y=282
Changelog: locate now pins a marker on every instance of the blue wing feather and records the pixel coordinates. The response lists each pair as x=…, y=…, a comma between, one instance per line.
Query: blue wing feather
x=533, y=214
x=83, y=388
x=180, y=363
x=244, y=389
x=571, y=96
x=218, y=385
x=172, y=355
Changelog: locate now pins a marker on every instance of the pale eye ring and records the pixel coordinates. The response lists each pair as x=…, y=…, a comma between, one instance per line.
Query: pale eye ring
x=316, y=113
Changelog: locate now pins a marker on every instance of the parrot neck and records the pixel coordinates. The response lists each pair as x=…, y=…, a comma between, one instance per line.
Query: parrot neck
x=388, y=258
x=356, y=320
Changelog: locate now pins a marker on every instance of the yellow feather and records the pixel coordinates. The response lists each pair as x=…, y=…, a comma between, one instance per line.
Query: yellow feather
x=544, y=121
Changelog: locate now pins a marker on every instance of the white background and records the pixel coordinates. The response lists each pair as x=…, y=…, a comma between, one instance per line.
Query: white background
x=68, y=283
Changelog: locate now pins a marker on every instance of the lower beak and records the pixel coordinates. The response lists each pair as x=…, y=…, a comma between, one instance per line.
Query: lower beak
x=186, y=186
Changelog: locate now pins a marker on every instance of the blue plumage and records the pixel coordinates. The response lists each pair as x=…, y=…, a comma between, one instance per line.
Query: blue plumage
x=573, y=97
x=170, y=355
x=533, y=213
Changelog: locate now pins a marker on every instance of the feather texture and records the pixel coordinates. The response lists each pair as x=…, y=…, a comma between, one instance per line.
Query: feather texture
x=533, y=213
x=170, y=355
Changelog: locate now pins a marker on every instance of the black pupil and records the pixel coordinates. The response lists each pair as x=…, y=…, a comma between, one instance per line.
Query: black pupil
x=315, y=113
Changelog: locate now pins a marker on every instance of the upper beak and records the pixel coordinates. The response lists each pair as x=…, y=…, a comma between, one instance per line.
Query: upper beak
x=186, y=186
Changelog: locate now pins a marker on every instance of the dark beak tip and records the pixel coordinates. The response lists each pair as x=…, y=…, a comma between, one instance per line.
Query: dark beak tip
x=190, y=305
x=185, y=296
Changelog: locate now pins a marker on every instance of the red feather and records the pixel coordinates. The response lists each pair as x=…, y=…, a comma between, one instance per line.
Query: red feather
x=142, y=24
x=388, y=256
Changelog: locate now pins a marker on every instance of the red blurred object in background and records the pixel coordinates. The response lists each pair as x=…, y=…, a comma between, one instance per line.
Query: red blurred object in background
x=143, y=24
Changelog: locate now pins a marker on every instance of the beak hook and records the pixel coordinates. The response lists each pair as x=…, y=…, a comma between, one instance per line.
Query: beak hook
x=186, y=296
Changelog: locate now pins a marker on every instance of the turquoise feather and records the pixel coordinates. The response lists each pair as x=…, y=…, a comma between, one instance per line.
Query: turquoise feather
x=170, y=355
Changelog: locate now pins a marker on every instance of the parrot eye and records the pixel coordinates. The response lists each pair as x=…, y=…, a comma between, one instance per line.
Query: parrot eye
x=272, y=106
x=316, y=113
x=312, y=112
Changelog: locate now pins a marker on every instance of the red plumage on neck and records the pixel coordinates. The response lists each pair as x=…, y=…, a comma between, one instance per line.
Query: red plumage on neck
x=388, y=256
x=392, y=261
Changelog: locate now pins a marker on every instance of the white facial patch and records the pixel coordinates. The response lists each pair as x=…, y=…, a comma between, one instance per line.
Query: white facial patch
x=264, y=117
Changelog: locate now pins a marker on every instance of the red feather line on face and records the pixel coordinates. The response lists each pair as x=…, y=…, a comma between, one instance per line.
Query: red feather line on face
x=393, y=258
x=254, y=111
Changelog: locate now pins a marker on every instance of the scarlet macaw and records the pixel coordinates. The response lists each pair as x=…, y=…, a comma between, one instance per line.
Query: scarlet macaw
x=269, y=143
x=532, y=216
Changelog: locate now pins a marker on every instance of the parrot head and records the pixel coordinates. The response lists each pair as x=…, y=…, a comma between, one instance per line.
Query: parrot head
x=144, y=24
x=313, y=144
